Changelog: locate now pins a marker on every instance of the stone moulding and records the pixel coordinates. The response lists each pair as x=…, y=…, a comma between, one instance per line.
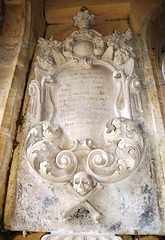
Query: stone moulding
x=80, y=237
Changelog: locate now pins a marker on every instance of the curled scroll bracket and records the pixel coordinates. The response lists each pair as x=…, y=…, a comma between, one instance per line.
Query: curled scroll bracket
x=117, y=162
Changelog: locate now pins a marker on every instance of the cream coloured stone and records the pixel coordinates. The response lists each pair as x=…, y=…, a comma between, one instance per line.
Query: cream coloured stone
x=105, y=10
x=82, y=182
x=81, y=118
x=81, y=237
x=63, y=30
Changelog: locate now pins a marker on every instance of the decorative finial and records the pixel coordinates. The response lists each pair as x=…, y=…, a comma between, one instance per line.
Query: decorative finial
x=83, y=8
x=83, y=19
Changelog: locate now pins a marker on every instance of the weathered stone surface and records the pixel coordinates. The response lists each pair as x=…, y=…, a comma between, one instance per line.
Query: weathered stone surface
x=61, y=31
x=13, y=21
x=5, y=143
x=158, y=165
x=55, y=11
x=38, y=23
x=12, y=28
x=17, y=152
x=37, y=236
x=104, y=10
x=156, y=48
x=138, y=11
x=106, y=28
x=78, y=99
x=118, y=194
x=152, y=106
x=17, y=46
x=20, y=236
x=1, y=15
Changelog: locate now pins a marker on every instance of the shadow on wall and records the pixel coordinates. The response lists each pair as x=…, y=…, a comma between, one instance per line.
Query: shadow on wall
x=155, y=38
x=1, y=15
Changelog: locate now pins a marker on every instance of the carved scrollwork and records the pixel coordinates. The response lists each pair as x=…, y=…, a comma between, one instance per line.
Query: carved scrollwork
x=119, y=50
x=34, y=110
x=99, y=158
x=50, y=57
x=135, y=88
x=128, y=98
x=80, y=84
x=86, y=50
x=67, y=160
x=124, y=149
x=42, y=103
x=84, y=43
x=46, y=157
x=83, y=63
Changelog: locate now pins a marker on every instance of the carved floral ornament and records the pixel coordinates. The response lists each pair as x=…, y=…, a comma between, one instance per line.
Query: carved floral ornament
x=85, y=53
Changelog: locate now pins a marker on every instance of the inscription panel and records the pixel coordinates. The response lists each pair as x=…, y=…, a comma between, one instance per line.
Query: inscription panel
x=84, y=102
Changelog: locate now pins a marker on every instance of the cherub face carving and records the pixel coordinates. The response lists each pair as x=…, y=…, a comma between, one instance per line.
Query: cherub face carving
x=82, y=182
x=121, y=56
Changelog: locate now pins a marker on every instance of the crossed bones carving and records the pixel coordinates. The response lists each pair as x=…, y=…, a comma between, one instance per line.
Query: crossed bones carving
x=82, y=200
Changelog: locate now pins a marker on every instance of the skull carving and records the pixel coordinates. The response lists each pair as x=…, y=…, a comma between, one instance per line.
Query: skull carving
x=82, y=182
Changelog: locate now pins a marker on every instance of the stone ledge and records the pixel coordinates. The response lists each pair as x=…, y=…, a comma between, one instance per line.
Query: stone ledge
x=104, y=10
x=61, y=31
x=5, y=153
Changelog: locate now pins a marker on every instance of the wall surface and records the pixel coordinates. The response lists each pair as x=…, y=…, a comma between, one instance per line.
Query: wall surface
x=23, y=24
x=17, y=43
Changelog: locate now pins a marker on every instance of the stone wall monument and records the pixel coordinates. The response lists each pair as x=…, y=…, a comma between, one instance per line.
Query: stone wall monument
x=85, y=167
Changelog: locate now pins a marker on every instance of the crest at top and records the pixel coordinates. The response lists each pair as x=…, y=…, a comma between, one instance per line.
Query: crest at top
x=83, y=19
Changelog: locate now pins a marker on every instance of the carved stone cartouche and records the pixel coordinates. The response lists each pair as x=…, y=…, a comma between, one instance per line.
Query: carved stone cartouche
x=84, y=103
